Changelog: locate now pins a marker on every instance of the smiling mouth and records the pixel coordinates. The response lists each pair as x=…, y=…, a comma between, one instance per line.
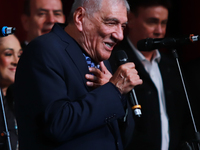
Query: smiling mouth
x=109, y=45
x=12, y=69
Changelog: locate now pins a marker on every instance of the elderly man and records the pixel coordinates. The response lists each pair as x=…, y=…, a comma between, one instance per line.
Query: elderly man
x=55, y=107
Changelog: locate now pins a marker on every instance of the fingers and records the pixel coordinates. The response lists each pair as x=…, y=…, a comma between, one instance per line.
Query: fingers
x=91, y=77
x=93, y=81
x=129, y=65
x=98, y=77
x=126, y=78
x=95, y=71
x=103, y=67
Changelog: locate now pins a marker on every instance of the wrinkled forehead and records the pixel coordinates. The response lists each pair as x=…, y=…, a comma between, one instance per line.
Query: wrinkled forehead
x=46, y=4
x=106, y=3
x=116, y=8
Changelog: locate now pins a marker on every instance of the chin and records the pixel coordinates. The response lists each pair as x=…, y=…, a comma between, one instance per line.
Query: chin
x=107, y=54
x=105, y=57
x=11, y=80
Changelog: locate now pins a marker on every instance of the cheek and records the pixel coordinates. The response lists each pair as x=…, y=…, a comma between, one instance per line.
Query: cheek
x=164, y=30
x=141, y=31
x=60, y=20
x=97, y=36
x=106, y=31
x=148, y=29
x=4, y=62
x=37, y=23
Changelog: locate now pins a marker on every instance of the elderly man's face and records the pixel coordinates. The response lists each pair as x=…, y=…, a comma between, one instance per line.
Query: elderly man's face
x=104, y=29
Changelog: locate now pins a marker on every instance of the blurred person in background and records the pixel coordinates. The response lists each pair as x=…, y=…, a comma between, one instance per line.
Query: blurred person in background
x=39, y=17
x=10, y=52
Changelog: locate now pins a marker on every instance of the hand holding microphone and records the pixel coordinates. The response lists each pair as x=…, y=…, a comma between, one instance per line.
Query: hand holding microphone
x=126, y=78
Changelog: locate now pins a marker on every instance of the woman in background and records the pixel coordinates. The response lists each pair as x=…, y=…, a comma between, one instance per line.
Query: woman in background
x=10, y=52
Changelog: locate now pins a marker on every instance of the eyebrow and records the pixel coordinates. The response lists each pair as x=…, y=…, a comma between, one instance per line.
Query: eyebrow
x=156, y=19
x=114, y=19
x=42, y=9
x=8, y=49
x=12, y=49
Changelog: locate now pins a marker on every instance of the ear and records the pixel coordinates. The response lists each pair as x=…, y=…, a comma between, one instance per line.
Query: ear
x=25, y=22
x=79, y=15
x=64, y=18
x=131, y=19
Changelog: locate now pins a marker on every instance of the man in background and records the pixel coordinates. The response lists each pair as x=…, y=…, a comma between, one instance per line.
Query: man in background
x=164, y=107
x=39, y=17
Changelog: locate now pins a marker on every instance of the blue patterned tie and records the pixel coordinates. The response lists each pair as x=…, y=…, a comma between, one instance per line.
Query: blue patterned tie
x=90, y=63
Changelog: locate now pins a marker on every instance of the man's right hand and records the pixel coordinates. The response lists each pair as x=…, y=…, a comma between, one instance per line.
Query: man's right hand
x=126, y=78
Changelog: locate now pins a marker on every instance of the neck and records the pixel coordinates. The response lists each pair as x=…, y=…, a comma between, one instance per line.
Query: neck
x=4, y=91
x=28, y=39
x=148, y=55
x=78, y=36
x=72, y=31
x=4, y=87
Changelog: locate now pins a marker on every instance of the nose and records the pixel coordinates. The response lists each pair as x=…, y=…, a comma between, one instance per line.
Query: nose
x=15, y=60
x=118, y=34
x=50, y=18
x=158, y=30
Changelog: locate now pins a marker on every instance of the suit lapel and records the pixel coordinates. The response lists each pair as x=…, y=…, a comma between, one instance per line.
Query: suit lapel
x=167, y=74
x=75, y=53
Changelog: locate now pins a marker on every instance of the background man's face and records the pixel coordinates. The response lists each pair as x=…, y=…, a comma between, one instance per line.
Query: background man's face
x=44, y=13
x=150, y=22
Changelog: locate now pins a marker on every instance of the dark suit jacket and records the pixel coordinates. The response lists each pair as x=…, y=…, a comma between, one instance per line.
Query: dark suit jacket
x=147, y=135
x=55, y=109
x=23, y=45
x=192, y=77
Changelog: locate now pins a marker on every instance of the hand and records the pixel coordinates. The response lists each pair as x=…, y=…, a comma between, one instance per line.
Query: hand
x=126, y=78
x=99, y=77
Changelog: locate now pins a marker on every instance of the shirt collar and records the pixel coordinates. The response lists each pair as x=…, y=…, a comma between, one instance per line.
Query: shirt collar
x=156, y=56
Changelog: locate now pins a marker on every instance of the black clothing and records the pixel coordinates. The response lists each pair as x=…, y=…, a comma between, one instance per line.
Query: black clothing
x=11, y=123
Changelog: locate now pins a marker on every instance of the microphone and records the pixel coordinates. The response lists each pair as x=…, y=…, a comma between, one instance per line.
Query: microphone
x=122, y=58
x=5, y=31
x=150, y=44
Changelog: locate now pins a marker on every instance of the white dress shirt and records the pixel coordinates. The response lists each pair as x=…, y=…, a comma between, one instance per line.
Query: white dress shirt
x=152, y=68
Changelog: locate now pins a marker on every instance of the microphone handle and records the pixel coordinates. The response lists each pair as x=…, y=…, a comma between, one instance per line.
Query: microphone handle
x=122, y=58
x=136, y=107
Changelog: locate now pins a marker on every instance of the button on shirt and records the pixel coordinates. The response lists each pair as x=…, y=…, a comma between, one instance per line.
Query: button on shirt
x=152, y=68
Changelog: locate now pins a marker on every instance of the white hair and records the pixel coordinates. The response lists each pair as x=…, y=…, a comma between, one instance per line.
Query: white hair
x=91, y=6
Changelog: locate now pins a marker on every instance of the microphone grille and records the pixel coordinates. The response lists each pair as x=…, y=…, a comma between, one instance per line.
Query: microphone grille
x=121, y=57
x=145, y=44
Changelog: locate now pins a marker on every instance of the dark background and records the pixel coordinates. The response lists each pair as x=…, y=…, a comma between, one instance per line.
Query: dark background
x=183, y=20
